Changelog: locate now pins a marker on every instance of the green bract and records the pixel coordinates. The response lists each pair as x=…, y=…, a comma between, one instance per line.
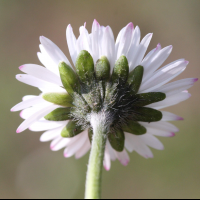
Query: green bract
x=135, y=78
x=59, y=114
x=144, y=114
x=69, y=78
x=71, y=130
x=62, y=99
x=93, y=90
x=117, y=140
x=85, y=67
x=102, y=69
x=121, y=70
x=148, y=98
x=134, y=128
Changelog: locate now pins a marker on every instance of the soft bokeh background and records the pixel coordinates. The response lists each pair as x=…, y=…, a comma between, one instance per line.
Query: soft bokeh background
x=28, y=169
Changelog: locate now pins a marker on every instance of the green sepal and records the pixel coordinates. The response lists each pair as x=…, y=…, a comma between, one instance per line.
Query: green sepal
x=121, y=70
x=71, y=130
x=90, y=134
x=102, y=69
x=134, y=128
x=144, y=114
x=117, y=140
x=62, y=99
x=135, y=78
x=149, y=98
x=69, y=78
x=85, y=67
x=59, y=114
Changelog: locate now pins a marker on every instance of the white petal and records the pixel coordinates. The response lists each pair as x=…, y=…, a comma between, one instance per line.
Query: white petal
x=156, y=61
x=35, y=82
x=82, y=151
x=128, y=142
x=35, y=117
x=108, y=46
x=28, y=112
x=47, y=61
x=118, y=39
x=141, y=51
x=71, y=41
x=171, y=100
x=125, y=40
x=61, y=143
x=27, y=97
x=107, y=162
x=140, y=147
x=150, y=55
x=42, y=73
x=53, y=51
x=111, y=151
x=159, y=132
x=95, y=40
x=167, y=116
x=152, y=141
x=46, y=125
x=161, y=126
x=177, y=86
x=123, y=157
x=132, y=53
x=83, y=41
x=163, y=75
x=27, y=103
x=76, y=146
x=51, y=134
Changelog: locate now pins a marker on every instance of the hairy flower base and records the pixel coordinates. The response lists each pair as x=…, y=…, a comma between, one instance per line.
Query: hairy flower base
x=98, y=92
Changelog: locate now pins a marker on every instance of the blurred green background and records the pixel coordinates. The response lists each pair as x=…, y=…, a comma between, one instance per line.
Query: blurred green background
x=28, y=169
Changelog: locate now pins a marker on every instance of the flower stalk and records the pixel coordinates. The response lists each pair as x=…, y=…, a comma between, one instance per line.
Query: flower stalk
x=94, y=174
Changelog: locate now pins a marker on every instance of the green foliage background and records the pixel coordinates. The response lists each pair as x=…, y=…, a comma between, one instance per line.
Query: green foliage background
x=28, y=169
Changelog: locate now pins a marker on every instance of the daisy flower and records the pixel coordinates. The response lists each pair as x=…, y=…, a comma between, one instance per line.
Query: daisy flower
x=109, y=85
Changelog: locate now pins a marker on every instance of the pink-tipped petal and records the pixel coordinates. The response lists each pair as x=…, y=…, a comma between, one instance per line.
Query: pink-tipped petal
x=18, y=131
x=179, y=118
x=106, y=168
x=195, y=80
x=186, y=62
x=124, y=162
x=96, y=22
x=21, y=67
x=130, y=25
x=172, y=134
x=158, y=46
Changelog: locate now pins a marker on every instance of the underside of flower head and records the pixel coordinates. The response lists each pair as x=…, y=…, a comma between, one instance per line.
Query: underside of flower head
x=97, y=92
x=106, y=77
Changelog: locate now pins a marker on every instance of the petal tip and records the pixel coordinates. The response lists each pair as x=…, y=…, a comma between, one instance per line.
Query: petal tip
x=186, y=62
x=172, y=134
x=21, y=67
x=65, y=155
x=180, y=118
x=18, y=131
x=130, y=25
x=195, y=80
x=158, y=46
x=124, y=162
x=20, y=114
x=106, y=168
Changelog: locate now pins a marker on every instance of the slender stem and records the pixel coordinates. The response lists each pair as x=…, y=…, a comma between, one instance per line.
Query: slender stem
x=93, y=182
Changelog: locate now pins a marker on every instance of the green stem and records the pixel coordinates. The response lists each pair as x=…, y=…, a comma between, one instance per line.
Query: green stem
x=93, y=182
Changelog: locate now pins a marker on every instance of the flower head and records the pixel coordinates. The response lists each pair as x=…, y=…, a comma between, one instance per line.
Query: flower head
x=114, y=78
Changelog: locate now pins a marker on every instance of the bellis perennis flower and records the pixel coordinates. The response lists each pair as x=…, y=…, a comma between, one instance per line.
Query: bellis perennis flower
x=114, y=78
